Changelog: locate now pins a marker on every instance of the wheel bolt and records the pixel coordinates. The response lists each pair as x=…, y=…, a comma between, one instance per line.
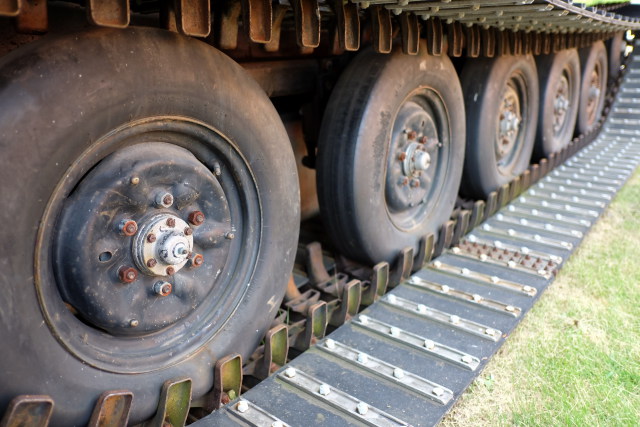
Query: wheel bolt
x=133, y=323
x=128, y=227
x=412, y=135
x=134, y=180
x=152, y=263
x=415, y=183
x=196, y=218
x=162, y=288
x=127, y=274
x=171, y=222
x=402, y=156
x=197, y=260
x=188, y=231
x=151, y=238
x=164, y=200
x=230, y=236
x=423, y=140
x=170, y=270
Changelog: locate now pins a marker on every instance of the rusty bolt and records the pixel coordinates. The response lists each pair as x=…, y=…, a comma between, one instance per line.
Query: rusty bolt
x=415, y=183
x=151, y=238
x=152, y=263
x=188, y=231
x=224, y=399
x=164, y=200
x=171, y=222
x=402, y=156
x=197, y=260
x=405, y=181
x=128, y=227
x=423, y=140
x=196, y=218
x=170, y=270
x=162, y=288
x=127, y=274
x=412, y=135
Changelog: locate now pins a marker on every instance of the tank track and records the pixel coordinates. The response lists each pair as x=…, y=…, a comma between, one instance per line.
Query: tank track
x=403, y=362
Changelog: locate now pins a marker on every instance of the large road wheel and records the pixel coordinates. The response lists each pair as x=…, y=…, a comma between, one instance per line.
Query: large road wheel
x=390, y=153
x=559, y=98
x=151, y=208
x=501, y=100
x=593, y=89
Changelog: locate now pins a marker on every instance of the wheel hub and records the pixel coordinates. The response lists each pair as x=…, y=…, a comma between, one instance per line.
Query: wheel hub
x=560, y=104
x=140, y=239
x=508, y=125
x=416, y=160
x=163, y=243
x=593, y=96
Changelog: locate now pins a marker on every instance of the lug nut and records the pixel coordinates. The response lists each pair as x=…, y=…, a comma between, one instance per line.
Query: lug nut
x=128, y=227
x=162, y=288
x=402, y=156
x=164, y=200
x=151, y=238
x=171, y=222
x=170, y=270
x=423, y=140
x=152, y=263
x=188, y=231
x=127, y=274
x=230, y=235
x=133, y=323
x=196, y=218
x=412, y=135
x=134, y=180
x=197, y=260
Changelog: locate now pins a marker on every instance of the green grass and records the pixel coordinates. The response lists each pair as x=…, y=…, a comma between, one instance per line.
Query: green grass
x=575, y=359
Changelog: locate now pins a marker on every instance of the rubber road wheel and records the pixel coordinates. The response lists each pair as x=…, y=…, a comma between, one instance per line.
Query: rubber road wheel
x=559, y=98
x=390, y=153
x=594, y=65
x=152, y=206
x=501, y=100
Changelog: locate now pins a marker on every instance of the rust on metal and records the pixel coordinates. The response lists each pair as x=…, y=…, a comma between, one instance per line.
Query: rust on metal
x=193, y=17
x=488, y=36
x=307, y=19
x=455, y=39
x=279, y=12
x=28, y=410
x=315, y=263
x=174, y=404
x=348, y=304
x=195, y=218
x=257, y=19
x=112, y=409
x=197, y=260
x=381, y=36
x=108, y=13
x=473, y=41
x=376, y=286
x=33, y=17
x=276, y=349
x=9, y=7
x=348, y=25
x=127, y=274
x=435, y=39
x=410, y=31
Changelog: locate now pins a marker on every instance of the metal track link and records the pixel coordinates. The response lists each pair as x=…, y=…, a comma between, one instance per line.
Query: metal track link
x=408, y=356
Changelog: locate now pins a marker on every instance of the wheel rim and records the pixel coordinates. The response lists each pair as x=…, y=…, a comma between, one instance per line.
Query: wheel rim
x=593, y=96
x=418, y=157
x=510, y=129
x=561, y=104
x=161, y=234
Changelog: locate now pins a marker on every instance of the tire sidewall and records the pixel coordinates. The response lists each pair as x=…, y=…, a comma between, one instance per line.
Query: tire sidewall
x=589, y=56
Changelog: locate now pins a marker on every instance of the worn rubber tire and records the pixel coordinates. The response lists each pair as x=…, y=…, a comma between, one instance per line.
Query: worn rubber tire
x=483, y=82
x=615, y=46
x=551, y=69
x=354, y=144
x=59, y=96
x=589, y=57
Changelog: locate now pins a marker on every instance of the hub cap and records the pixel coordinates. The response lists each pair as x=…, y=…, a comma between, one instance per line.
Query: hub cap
x=593, y=96
x=561, y=104
x=417, y=158
x=508, y=124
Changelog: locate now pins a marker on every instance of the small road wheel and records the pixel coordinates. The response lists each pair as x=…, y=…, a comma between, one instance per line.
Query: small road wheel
x=559, y=75
x=390, y=153
x=501, y=100
x=154, y=210
x=594, y=65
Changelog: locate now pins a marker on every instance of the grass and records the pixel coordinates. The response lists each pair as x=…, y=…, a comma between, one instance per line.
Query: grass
x=575, y=358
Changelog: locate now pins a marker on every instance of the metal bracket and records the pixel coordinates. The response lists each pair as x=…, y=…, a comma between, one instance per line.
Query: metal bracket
x=28, y=410
x=276, y=349
x=307, y=16
x=348, y=25
x=377, y=286
x=425, y=252
x=10, y=7
x=314, y=327
x=461, y=227
x=503, y=195
x=279, y=13
x=33, y=17
x=435, y=41
x=491, y=205
x=455, y=39
x=314, y=261
x=112, y=409
x=473, y=41
x=488, y=42
x=174, y=404
x=477, y=215
x=108, y=13
x=410, y=31
x=258, y=20
x=193, y=17
x=226, y=23
x=402, y=270
x=444, y=237
x=381, y=37
x=348, y=304
x=227, y=382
